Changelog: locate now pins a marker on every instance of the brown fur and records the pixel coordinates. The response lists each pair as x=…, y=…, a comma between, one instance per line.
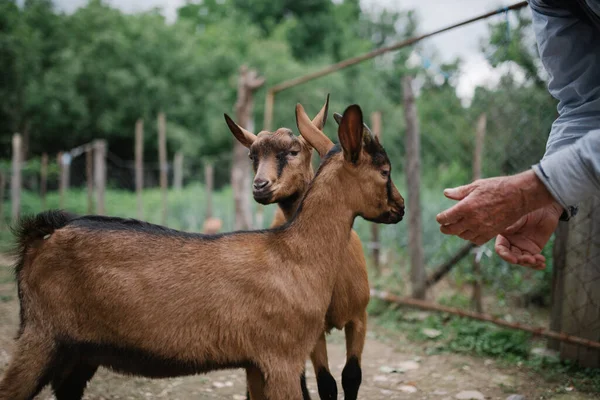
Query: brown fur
x=350, y=298
x=151, y=301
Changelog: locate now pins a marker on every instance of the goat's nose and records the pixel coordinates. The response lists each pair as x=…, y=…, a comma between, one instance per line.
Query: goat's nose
x=260, y=184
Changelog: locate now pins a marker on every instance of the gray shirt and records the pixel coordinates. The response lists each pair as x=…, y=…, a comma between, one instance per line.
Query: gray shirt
x=570, y=52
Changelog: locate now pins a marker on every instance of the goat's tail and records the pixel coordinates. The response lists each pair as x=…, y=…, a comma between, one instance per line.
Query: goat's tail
x=28, y=230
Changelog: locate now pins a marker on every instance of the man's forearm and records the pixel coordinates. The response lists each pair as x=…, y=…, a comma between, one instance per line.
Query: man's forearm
x=572, y=174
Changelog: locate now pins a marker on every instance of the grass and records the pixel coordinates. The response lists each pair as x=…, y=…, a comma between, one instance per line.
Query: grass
x=476, y=338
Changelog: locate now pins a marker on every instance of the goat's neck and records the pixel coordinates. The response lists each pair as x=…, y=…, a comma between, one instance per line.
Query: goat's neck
x=290, y=204
x=324, y=221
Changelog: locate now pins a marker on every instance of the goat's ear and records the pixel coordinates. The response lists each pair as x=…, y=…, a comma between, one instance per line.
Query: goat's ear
x=314, y=136
x=350, y=133
x=367, y=134
x=243, y=136
x=320, y=119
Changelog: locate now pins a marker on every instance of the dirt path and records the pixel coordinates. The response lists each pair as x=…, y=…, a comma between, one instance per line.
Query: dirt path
x=392, y=369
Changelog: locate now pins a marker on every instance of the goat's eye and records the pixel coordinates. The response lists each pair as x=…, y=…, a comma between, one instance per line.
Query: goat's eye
x=294, y=153
x=251, y=156
x=385, y=173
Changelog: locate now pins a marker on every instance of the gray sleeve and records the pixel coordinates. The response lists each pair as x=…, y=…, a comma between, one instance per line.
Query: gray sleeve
x=572, y=174
x=570, y=52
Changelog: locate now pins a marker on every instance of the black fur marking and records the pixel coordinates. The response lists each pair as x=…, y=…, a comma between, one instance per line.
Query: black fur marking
x=305, y=393
x=281, y=163
x=73, y=386
x=327, y=385
x=98, y=222
x=351, y=378
x=139, y=362
x=288, y=203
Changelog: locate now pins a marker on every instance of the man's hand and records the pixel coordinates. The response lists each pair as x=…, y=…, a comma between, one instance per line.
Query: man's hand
x=522, y=242
x=489, y=206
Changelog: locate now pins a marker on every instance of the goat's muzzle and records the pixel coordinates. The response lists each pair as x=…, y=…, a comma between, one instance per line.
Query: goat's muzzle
x=389, y=217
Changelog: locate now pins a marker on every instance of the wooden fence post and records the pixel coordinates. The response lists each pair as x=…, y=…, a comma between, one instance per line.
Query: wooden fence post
x=559, y=260
x=248, y=82
x=580, y=284
x=89, y=177
x=100, y=174
x=15, y=182
x=139, y=166
x=2, y=185
x=178, y=171
x=64, y=163
x=376, y=246
x=476, y=299
x=44, y=179
x=162, y=155
x=413, y=155
x=208, y=185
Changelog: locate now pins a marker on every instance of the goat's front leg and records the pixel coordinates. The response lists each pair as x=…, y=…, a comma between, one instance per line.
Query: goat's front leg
x=325, y=381
x=356, y=332
x=281, y=381
x=256, y=385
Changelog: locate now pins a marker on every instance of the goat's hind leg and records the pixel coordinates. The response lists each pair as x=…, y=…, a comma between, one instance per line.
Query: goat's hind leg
x=356, y=332
x=31, y=368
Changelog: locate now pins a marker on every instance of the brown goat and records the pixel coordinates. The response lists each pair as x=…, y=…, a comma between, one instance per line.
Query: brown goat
x=147, y=300
x=283, y=170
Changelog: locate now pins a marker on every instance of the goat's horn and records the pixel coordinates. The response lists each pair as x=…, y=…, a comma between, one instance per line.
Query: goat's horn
x=320, y=119
x=313, y=135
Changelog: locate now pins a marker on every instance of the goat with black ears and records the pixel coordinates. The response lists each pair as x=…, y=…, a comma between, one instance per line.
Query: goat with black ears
x=146, y=300
x=283, y=171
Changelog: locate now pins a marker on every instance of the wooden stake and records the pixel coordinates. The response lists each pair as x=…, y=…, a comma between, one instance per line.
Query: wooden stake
x=476, y=299
x=44, y=179
x=2, y=185
x=89, y=177
x=162, y=155
x=208, y=184
x=15, y=183
x=248, y=83
x=413, y=180
x=100, y=174
x=178, y=171
x=139, y=167
x=375, y=253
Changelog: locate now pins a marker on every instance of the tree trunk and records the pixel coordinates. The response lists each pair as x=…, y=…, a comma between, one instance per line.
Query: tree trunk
x=241, y=179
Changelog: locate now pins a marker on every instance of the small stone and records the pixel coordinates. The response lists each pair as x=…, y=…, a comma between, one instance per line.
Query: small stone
x=470, y=395
x=431, y=333
x=516, y=397
x=488, y=362
x=385, y=392
x=408, y=365
x=221, y=385
x=387, y=370
x=407, y=389
x=239, y=397
x=440, y=392
x=544, y=352
x=380, y=378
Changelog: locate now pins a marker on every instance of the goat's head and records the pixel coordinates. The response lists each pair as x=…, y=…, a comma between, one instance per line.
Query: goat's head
x=281, y=160
x=362, y=165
